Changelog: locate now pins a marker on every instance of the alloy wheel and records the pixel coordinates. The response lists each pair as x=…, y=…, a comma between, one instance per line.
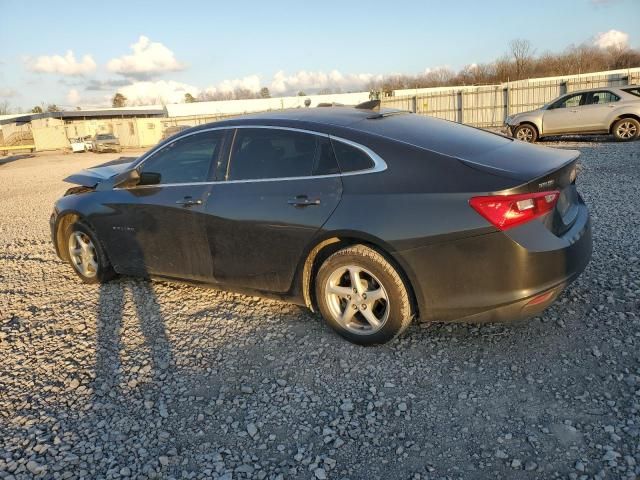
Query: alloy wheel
x=525, y=134
x=83, y=255
x=357, y=300
x=627, y=130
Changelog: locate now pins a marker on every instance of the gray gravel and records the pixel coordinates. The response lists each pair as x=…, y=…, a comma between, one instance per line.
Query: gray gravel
x=138, y=379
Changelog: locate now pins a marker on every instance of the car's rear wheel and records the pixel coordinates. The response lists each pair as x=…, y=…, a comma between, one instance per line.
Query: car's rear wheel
x=626, y=129
x=362, y=296
x=526, y=133
x=86, y=255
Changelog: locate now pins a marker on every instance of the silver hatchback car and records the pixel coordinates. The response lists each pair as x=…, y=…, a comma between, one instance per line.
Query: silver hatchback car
x=606, y=110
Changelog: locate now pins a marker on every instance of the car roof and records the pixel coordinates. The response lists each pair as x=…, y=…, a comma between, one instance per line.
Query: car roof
x=341, y=116
x=599, y=89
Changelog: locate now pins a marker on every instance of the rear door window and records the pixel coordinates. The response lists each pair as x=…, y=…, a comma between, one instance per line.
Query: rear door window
x=261, y=153
x=326, y=163
x=601, y=98
x=633, y=91
x=350, y=158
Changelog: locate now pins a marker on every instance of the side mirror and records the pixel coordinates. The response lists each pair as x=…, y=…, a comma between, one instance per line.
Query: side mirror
x=127, y=179
x=149, y=178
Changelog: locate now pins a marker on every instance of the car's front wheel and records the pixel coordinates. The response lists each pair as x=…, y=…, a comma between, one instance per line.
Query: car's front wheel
x=526, y=133
x=86, y=255
x=626, y=129
x=362, y=296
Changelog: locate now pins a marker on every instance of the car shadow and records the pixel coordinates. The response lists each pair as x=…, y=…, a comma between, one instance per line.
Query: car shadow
x=14, y=158
x=113, y=298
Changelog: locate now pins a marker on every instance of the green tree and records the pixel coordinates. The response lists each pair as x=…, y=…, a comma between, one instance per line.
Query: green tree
x=52, y=107
x=119, y=100
x=188, y=98
x=36, y=109
x=264, y=93
x=302, y=94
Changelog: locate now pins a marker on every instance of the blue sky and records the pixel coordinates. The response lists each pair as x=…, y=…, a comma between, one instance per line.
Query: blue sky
x=284, y=45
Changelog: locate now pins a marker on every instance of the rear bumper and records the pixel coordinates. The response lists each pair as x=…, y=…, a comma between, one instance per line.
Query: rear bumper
x=500, y=276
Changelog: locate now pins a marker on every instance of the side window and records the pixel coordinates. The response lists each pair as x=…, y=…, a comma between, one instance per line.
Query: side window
x=600, y=98
x=633, y=91
x=570, y=102
x=326, y=163
x=271, y=153
x=351, y=159
x=187, y=159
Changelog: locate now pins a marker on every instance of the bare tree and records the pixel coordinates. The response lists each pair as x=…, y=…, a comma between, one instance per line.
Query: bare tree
x=5, y=107
x=522, y=54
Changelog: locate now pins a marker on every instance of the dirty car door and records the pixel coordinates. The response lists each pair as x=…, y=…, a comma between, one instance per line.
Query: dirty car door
x=281, y=187
x=158, y=228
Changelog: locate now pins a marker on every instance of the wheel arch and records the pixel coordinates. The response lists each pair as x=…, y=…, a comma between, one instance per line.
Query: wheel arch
x=63, y=220
x=620, y=117
x=531, y=123
x=330, y=243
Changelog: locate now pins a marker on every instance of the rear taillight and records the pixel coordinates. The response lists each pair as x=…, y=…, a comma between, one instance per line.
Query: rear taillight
x=508, y=211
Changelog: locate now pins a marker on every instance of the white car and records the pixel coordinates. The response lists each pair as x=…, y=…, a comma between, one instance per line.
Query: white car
x=609, y=110
x=77, y=145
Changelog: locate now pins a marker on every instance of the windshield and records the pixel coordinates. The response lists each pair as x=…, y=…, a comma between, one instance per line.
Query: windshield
x=105, y=137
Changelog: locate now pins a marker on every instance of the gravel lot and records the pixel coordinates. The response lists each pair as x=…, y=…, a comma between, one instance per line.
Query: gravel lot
x=139, y=379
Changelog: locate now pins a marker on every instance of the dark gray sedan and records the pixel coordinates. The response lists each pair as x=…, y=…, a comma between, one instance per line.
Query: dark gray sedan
x=372, y=217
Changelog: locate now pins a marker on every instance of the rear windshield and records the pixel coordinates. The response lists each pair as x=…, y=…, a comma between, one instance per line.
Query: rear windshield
x=448, y=138
x=105, y=137
x=633, y=91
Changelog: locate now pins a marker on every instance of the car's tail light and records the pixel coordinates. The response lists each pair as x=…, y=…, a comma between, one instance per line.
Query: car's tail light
x=508, y=211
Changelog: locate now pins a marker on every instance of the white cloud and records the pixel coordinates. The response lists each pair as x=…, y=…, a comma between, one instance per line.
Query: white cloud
x=148, y=59
x=73, y=97
x=64, y=65
x=303, y=80
x=612, y=38
x=6, y=92
x=283, y=84
x=251, y=83
x=161, y=91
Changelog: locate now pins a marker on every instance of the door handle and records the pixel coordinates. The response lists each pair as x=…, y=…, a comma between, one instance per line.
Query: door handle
x=188, y=202
x=303, y=201
x=574, y=111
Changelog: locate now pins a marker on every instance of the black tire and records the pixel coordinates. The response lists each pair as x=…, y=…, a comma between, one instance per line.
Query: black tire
x=526, y=133
x=626, y=129
x=379, y=275
x=103, y=270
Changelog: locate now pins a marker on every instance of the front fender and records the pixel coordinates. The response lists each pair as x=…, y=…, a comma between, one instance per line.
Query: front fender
x=81, y=206
x=535, y=119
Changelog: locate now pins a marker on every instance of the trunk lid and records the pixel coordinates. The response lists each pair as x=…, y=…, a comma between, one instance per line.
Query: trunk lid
x=563, y=180
x=522, y=161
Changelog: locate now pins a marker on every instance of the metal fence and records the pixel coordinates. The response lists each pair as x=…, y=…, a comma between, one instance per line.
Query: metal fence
x=489, y=105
